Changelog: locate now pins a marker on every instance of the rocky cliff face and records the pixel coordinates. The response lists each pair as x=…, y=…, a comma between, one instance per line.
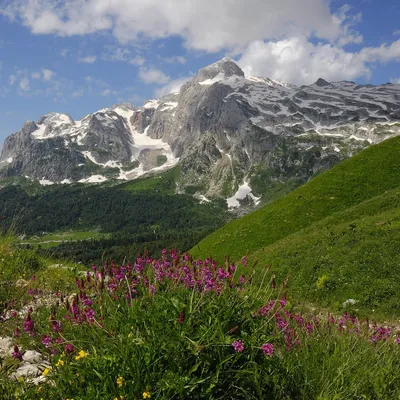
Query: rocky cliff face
x=233, y=135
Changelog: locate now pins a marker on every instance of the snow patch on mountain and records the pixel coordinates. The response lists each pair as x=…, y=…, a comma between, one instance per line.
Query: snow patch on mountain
x=243, y=191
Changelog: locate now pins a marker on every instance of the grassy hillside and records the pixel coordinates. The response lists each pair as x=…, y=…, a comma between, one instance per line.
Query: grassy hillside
x=366, y=175
x=354, y=254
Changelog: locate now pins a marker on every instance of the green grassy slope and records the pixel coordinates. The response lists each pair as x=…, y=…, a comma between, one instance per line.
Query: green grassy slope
x=364, y=176
x=354, y=254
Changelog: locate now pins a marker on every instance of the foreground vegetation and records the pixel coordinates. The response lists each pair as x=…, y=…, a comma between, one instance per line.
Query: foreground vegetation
x=177, y=328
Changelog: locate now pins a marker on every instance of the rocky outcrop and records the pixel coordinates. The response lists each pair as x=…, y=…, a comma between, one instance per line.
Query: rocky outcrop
x=225, y=129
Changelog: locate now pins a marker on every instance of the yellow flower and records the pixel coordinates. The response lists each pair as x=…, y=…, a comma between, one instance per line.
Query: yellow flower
x=120, y=381
x=146, y=395
x=120, y=398
x=60, y=363
x=46, y=372
x=81, y=354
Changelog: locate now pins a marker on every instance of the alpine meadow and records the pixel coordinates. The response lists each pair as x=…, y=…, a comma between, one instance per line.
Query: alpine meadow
x=199, y=200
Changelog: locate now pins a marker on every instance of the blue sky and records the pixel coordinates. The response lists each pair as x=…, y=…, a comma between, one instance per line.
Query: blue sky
x=79, y=56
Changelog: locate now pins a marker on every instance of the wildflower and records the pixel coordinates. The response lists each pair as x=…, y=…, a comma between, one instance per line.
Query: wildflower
x=146, y=395
x=60, y=362
x=56, y=326
x=181, y=317
x=120, y=381
x=69, y=348
x=46, y=341
x=46, y=372
x=81, y=354
x=16, y=332
x=398, y=340
x=29, y=325
x=268, y=349
x=244, y=261
x=17, y=353
x=152, y=290
x=238, y=346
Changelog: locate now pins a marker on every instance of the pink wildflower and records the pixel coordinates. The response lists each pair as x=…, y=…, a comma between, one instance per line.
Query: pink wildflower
x=238, y=346
x=268, y=349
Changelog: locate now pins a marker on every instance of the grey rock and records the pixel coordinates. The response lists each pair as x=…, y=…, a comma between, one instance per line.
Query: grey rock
x=225, y=128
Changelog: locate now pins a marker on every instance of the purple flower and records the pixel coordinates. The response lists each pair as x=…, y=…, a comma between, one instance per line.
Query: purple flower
x=90, y=315
x=398, y=340
x=46, y=341
x=268, y=349
x=238, y=346
x=244, y=261
x=29, y=325
x=87, y=302
x=17, y=353
x=56, y=326
x=152, y=290
x=69, y=348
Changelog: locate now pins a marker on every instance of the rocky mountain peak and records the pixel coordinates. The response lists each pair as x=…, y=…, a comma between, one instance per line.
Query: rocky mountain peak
x=223, y=69
x=321, y=82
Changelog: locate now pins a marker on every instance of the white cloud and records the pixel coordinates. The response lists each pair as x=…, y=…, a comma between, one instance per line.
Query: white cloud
x=172, y=87
x=210, y=25
x=173, y=59
x=117, y=54
x=153, y=75
x=24, y=84
x=87, y=59
x=395, y=81
x=138, y=60
x=12, y=79
x=106, y=92
x=297, y=60
x=36, y=75
x=48, y=74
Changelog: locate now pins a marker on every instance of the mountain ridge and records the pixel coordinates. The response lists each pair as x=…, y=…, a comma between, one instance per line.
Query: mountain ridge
x=235, y=136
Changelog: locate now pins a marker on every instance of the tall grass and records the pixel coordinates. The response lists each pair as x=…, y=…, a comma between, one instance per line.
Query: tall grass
x=175, y=328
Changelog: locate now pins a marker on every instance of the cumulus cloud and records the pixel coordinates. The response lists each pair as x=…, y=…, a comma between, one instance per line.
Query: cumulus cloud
x=209, y=25
x=395, y=81
x=87, y=59
x=172, y=87
x=153, y=75
x=297, y=60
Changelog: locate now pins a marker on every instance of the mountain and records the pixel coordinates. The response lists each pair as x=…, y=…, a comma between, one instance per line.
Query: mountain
x=368, y=174
x=337, y=236
x=241, y=137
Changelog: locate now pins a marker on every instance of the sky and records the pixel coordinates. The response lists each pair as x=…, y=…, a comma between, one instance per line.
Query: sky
x=79, y=56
